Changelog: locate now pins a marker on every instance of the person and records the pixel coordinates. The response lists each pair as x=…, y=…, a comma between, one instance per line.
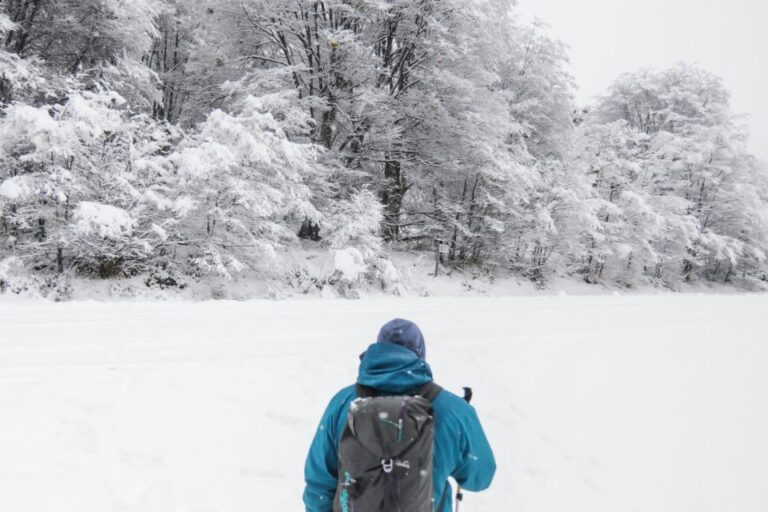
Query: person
x=396, y=364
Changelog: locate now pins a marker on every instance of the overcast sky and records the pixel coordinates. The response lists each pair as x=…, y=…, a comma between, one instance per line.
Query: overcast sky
x=609, y=37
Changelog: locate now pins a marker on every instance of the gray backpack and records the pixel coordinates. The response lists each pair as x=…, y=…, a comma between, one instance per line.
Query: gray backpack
x=385, y=452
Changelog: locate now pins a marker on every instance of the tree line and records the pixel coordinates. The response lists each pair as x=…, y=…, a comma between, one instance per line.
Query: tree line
x=183, y=139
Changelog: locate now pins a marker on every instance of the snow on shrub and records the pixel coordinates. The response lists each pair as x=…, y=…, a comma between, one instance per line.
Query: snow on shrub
x=13, y=276
x=103, y=220
x=27, y=125
x=348, y=264
x=15, y=279
x=16, y=188
x=352, y=230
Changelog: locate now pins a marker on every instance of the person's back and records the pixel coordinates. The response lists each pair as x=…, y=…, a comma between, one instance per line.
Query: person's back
x=395, y=365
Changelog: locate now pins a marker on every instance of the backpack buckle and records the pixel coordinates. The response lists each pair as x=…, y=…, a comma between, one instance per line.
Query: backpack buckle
x=387, y=466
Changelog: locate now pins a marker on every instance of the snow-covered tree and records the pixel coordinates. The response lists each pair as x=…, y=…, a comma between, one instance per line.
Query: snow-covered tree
x=246, y=186
x=71, y=197
x=682, y=157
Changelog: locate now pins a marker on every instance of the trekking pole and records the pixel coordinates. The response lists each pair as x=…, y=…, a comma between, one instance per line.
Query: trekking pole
x=459, y=492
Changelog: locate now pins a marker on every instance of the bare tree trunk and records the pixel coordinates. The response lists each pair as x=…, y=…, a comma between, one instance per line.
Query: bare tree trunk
x=471, y=211
x=454, y=238
x=392, y=197
x=60, y=260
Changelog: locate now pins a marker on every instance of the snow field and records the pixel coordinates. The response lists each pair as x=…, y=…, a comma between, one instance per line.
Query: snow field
x=639, y=403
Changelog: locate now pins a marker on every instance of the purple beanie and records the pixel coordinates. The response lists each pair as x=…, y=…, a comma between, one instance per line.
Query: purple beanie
x=404, y=333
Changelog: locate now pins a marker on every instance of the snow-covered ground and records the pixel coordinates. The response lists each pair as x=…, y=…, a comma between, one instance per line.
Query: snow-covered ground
x=601, y=403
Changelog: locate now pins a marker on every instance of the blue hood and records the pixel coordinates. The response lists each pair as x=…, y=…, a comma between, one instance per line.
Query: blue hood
x=392, y=368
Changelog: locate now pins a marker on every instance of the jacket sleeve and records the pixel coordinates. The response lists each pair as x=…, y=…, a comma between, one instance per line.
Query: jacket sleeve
x=321, y=467
x=477, y=465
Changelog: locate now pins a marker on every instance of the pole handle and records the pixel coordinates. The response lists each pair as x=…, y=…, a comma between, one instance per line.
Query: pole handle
x=467, y=394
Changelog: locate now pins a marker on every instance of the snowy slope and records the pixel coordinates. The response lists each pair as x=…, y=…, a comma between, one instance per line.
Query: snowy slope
x=592, y=403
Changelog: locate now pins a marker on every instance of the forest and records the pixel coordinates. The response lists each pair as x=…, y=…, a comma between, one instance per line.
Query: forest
x=180, y=141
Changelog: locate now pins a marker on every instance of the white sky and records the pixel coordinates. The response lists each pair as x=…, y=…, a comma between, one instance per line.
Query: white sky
x=610, y=37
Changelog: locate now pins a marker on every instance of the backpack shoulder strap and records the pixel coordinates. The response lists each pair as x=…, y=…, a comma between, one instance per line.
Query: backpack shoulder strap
x=430, y=390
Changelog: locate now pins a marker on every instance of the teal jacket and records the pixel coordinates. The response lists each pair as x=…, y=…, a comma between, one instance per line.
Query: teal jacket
x=461, y=449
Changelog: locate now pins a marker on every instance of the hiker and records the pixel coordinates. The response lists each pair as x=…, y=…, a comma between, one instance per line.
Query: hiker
x=366, y=465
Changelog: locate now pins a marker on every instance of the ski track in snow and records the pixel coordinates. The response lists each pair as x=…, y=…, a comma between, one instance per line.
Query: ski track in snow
x=592, y=403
